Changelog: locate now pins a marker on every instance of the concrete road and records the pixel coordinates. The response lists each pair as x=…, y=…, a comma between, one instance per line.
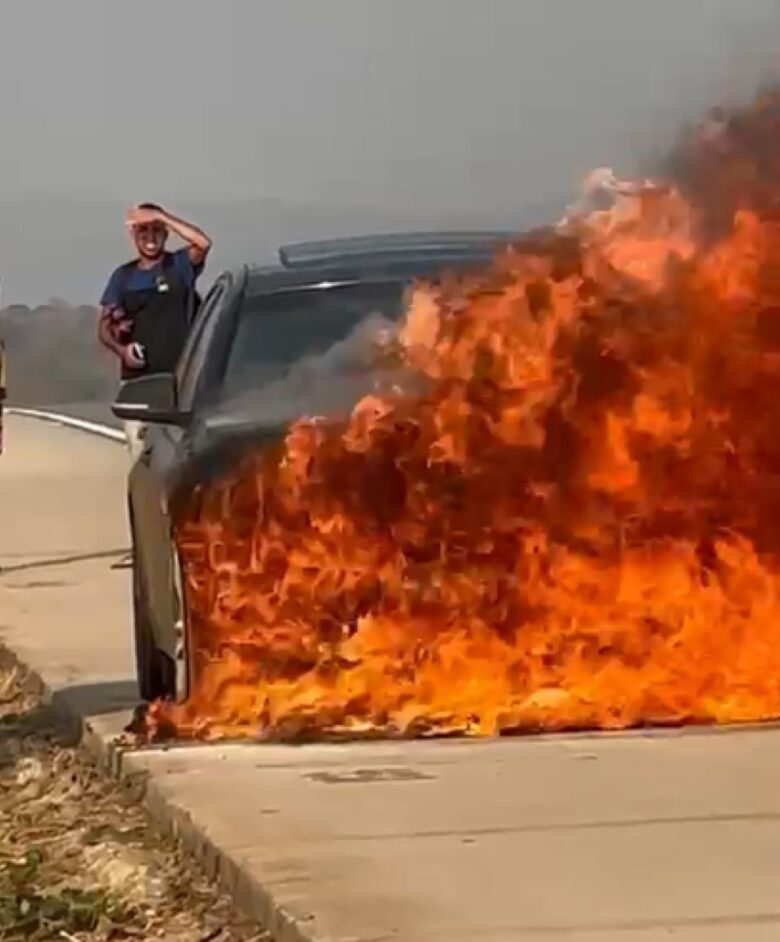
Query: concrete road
x=628, y=838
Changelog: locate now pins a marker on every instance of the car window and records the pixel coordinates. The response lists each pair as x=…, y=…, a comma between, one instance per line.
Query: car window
x=191, y=360
x=279, y=332
x=310, y=351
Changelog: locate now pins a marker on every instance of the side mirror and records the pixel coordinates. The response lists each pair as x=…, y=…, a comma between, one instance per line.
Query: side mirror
x=149, y=399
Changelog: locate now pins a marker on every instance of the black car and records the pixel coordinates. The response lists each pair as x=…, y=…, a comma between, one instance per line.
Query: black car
x=239, y=376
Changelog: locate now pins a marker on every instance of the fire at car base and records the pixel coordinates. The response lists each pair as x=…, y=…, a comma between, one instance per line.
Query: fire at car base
x=573, y=525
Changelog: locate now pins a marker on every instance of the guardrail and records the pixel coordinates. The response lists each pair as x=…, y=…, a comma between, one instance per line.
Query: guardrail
x=69, y=421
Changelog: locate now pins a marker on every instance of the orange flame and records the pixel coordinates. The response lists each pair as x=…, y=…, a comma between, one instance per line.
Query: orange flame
x=576, y=525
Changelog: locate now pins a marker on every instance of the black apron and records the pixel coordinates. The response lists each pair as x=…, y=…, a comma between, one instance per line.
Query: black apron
x=159, y=320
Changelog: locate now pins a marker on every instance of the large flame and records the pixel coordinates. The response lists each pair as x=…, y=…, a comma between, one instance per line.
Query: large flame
x=575, y=525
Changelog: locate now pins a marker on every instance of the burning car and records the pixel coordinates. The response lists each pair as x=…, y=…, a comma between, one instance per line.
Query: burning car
x=546, y=497
x=267, y=347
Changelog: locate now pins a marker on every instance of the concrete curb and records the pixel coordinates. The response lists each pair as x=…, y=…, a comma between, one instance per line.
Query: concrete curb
x=113, y=760
x=248, y=894
x=92, y=428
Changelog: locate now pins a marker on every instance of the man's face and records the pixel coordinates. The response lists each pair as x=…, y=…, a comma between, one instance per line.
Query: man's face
x=150, y=240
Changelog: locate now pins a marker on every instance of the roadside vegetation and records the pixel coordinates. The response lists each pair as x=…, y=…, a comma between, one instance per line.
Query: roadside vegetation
x=79, y=860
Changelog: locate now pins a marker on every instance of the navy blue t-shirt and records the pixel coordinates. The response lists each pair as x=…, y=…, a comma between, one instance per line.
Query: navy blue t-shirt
x=142, y=279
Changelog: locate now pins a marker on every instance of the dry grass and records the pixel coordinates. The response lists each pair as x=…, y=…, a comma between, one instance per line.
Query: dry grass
x=78, y=859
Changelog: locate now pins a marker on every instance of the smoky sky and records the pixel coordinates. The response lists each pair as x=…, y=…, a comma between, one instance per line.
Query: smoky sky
x=413, y=108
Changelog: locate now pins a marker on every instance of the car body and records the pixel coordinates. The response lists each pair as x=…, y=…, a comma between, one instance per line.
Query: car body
x=252, y=328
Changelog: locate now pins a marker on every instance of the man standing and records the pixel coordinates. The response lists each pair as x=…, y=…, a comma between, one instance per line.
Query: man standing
x=148, y=304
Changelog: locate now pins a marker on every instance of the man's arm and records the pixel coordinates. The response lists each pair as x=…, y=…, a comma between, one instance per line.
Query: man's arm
x=110, y=302
x=110, y=320
x=107, y=335
x=198, y=243
x=106, y=331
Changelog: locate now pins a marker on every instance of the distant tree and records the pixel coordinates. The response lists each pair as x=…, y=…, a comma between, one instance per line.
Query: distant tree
x=53, y=356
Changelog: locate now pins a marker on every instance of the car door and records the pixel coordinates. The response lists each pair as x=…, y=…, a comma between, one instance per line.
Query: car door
x=164, y=448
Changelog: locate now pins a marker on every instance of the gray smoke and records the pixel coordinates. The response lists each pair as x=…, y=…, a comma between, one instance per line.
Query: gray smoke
x=322, y=386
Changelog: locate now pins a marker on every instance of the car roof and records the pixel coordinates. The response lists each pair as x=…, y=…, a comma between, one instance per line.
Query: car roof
x=375, y=257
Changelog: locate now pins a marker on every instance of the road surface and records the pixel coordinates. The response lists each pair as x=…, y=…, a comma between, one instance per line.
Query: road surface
x=627, y=838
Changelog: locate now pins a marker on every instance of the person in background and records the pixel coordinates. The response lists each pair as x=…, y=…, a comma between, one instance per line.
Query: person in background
x=3, y=390
x=149, y=302
x=3, y=387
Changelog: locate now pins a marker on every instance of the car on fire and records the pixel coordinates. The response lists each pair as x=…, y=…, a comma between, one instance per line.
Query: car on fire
x=253, y=328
